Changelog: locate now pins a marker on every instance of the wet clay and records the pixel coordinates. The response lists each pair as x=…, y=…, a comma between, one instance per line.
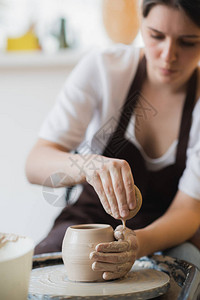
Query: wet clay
x=6, y=237
x=139, y=283
x=80, y=240
x=78, y=243
x=124, y=224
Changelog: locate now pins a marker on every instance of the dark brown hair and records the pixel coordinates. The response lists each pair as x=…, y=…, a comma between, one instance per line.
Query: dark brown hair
x=190, y=7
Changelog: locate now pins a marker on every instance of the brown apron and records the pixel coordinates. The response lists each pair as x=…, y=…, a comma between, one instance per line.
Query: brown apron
x=158, y=188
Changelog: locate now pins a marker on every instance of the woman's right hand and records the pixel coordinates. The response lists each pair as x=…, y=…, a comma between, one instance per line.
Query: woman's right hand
x=113, y=182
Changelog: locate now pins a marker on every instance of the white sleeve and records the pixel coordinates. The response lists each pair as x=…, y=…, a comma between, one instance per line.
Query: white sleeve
x=190, y=181
x=67, y=122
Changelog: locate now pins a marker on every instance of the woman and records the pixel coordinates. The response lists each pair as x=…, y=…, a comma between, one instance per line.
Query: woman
x=137, y=111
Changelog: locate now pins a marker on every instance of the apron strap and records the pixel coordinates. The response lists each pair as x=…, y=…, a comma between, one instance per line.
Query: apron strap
x=133, y=94
x=129, y=105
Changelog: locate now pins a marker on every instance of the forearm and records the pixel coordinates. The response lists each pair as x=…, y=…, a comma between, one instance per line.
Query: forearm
x=173, y=228
x=50, y=164
x=54, y=166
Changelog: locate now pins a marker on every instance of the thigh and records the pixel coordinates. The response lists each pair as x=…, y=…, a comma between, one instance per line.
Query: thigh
x=186, y=251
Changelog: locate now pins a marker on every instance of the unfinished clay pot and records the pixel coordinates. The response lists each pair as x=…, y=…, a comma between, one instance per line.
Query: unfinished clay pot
x=79, y=241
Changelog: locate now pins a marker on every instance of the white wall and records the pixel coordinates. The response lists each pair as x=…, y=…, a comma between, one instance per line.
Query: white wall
x=28, y=88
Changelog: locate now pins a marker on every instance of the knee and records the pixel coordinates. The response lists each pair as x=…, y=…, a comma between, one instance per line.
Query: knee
x=46, y=247
x=186, y=251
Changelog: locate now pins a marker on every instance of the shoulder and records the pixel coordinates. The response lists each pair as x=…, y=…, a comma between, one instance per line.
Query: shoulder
x=113, y=65
x=120, y=52
x=113, y=55
x=120, y=58
x=195, y=127
x=116, y=56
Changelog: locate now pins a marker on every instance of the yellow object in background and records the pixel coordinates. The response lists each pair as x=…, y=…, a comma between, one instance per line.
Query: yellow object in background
x=27, y=42
x=121, y=20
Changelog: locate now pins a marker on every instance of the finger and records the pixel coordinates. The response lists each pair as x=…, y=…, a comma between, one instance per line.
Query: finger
x=119, y=189
x=121, y=232
x=105, y=267
x=112, y=247
x=119, y=235
x=113, y=275
x=109, y=192
x=119, y=228
x=98, y=187
x=129, y=185
x=128, y=235
x=113, y=258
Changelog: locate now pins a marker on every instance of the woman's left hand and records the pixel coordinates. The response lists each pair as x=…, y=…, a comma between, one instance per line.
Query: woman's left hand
x=115, y=259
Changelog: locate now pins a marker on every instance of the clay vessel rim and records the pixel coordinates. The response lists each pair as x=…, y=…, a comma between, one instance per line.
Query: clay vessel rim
x=91, y=227
x=14, y=247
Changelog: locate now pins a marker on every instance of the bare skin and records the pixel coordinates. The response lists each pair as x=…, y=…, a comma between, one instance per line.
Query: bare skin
x=112, y=178
x=172, y=50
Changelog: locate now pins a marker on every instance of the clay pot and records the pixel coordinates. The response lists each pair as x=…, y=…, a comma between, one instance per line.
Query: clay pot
x=79, y=241
x=16, y=254
x=121, y=20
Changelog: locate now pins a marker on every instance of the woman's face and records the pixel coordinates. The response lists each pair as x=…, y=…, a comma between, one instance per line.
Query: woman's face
x=172, y=44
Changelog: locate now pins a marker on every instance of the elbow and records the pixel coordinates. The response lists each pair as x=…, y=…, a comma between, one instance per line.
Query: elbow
x=30, y=170
x=29, y=176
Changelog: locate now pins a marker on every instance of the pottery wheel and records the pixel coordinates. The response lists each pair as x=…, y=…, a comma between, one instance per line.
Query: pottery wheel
x=51, y=282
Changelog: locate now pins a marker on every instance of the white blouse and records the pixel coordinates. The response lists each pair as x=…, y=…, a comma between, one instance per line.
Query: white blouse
x=88, y=108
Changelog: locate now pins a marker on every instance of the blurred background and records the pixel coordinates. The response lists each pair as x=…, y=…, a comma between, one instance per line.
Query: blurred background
x=56, y=24
x=40, y=43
